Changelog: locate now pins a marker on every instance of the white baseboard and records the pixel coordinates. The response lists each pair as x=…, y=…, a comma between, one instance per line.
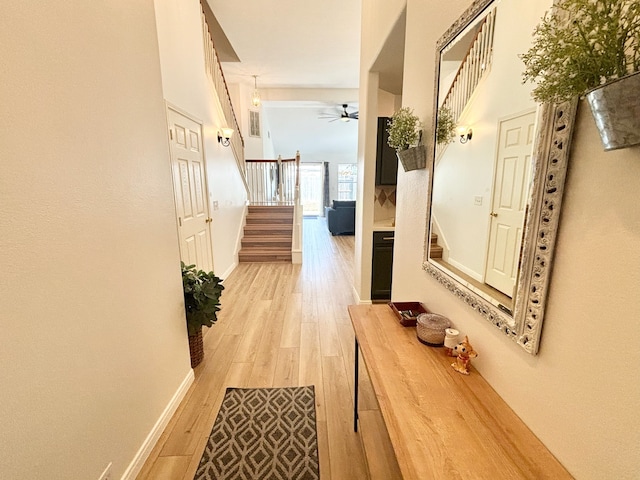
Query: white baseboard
x=468, y=271
x=359, y=301
x=296, y=257
x=143, y=453
x=229, y=270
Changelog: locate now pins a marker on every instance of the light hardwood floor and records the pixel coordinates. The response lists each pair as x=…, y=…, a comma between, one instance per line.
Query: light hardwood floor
x=280, y=325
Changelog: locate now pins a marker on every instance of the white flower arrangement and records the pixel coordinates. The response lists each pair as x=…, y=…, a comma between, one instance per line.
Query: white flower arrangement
x=581, y=45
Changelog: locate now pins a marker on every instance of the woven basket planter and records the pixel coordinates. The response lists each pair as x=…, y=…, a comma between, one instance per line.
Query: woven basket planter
x=196, y=349
x=413, y=158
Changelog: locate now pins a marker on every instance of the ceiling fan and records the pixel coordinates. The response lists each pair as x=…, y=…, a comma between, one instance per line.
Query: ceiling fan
x=345, y=116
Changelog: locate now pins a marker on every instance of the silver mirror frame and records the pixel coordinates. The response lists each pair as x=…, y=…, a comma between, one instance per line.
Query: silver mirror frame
x=550, y=158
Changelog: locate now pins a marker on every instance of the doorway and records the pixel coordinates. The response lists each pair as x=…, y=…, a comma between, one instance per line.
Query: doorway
x=311, y=189
x=190, y=190
x=509, y=202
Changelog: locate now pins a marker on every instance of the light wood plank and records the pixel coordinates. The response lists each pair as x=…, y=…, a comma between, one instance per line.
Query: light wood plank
x=287, y=368
x=329, y=342
x=253, y=332
x=310, y=367
x=169, y=468
x=193, y=419
x=323, y=450
x=291, y=328
x=274, y=319
x=381, y=460
x=264, y=365
x=345, y=448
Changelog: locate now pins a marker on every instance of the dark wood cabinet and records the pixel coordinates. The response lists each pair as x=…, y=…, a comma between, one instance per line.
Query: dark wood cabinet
x=382, y=265
x=386, y=159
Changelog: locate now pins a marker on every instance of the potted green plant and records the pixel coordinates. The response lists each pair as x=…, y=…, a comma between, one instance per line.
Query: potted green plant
x=202, y=292
x=445, y=126
x=405, y=136
x=591, y=48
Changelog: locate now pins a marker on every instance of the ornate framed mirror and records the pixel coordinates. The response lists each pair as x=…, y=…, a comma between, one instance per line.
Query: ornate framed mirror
x=497, y=182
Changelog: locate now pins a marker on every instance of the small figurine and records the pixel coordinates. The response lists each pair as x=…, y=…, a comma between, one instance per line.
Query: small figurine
x=465, y=353
x=450, y=341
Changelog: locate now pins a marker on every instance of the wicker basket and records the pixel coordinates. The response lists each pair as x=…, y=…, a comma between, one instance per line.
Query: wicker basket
x=431, y=327
x=196, y=348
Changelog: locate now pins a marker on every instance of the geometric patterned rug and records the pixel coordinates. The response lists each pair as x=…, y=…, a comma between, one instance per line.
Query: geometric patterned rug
x=263, y=433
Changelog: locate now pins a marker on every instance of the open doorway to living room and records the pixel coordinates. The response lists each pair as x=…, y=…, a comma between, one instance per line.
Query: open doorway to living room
x=311, y=188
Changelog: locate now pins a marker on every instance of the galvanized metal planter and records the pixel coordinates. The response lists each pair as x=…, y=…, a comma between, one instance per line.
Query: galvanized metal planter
x=616, y=110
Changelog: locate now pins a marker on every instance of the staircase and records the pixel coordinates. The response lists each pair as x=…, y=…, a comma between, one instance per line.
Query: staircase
x=435, y=250
x=267, y=234
x=473, y=67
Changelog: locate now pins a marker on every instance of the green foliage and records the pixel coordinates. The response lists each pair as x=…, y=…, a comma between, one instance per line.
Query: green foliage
x=202, y=292
x=404, y=129
x=445, y=126
x=581, y=45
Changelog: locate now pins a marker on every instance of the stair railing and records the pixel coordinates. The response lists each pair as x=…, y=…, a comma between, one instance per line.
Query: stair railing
x=273, y=182
x=296, y=240
x=277, y=182
x=219, y=85
x=472, y=69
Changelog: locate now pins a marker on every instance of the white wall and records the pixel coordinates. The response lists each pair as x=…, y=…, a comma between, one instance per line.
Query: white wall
x=255, y=148
x=579, y=395
x=94, y=343
x=186, y=86
x=378, y=20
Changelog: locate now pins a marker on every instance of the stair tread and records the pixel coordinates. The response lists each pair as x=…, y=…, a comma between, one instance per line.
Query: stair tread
x=267, y=250
x=270, y=238
x=264, y=257
x=272, y=210
x=269, y=221
x=265, y=213
x=264, y=227
x=270, y=207
x=268, y=225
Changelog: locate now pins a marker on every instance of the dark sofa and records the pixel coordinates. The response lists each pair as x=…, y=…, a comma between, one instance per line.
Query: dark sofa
x=341, y=217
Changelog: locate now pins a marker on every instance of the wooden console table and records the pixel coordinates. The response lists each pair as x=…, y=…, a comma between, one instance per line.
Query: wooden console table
x=442, y=424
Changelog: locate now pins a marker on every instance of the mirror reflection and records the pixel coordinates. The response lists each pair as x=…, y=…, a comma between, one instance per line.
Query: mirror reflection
x=483, y=172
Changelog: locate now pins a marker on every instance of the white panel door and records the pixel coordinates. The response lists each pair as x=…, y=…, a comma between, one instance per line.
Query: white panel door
x=510, y=193
x=190, y=189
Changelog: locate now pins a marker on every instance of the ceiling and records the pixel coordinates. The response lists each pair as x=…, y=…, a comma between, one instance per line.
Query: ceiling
x=307, y=58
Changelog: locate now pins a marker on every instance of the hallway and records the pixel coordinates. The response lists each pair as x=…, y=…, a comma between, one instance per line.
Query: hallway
x=280, y=325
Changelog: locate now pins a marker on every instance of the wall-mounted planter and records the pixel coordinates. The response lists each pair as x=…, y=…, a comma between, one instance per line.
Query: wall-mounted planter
x=616, y=110
x=413, y=158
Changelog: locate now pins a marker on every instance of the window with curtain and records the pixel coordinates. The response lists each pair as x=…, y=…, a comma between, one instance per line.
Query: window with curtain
x=347, y=181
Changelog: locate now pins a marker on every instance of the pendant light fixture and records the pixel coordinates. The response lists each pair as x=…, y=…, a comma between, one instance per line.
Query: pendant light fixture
x=255, y=97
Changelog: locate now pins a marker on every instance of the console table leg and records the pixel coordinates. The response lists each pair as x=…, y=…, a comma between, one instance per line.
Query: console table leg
x=355, y=389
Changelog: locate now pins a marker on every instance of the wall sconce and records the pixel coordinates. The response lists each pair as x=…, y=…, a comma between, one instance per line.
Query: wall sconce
x=466, y=133
x=224, y=136
x=255, y=96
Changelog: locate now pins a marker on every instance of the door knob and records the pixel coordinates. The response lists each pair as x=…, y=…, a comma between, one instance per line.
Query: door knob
x=493, y=214
x=209, y=220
